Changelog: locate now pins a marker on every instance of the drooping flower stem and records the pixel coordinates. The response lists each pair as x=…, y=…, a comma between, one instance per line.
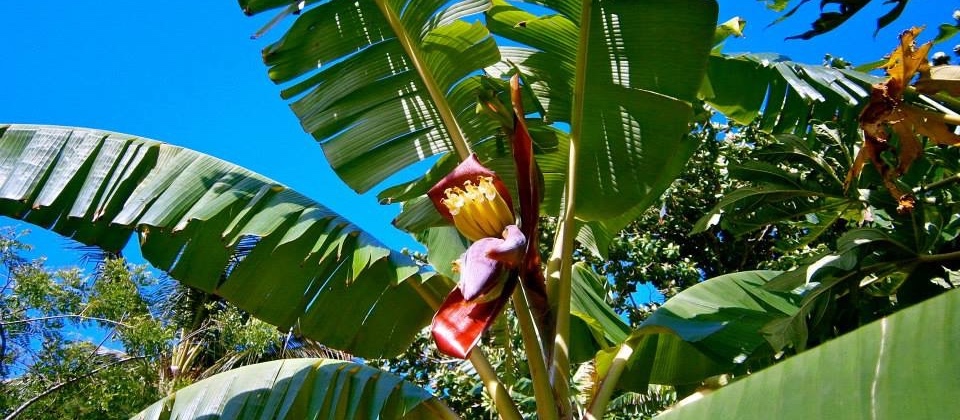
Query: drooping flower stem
x=609, y=382
x=546, y=406
x=506, y=408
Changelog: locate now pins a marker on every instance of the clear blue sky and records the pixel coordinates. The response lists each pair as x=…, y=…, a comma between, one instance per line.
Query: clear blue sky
x=187, y=72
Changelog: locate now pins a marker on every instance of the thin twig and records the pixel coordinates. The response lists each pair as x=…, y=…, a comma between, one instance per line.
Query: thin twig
x=937, y=184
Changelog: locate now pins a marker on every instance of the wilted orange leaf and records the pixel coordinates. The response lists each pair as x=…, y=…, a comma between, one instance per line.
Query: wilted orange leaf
x=906, y=60
x=886, y=114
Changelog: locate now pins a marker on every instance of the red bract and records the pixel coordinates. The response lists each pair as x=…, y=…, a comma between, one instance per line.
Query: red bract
x=476, y=200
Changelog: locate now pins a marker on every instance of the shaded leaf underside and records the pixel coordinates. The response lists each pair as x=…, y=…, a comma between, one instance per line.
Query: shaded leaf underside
x=783, y=94
x=705, y=330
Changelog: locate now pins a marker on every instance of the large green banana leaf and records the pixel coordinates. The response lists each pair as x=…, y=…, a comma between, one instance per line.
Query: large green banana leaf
x=375, y=110
x=383, y=84
x=904, y=366
x=623, y=75
x=706, y=330
x=299, y=389
x=212, y=225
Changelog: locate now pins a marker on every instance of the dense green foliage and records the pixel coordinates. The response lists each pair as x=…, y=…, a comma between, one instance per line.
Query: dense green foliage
x=50, y=321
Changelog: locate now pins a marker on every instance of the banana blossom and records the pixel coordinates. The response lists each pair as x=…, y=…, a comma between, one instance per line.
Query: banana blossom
x=478, y=203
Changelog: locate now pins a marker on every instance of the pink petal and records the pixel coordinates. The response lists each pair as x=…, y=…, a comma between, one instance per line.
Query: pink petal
x=486, y=262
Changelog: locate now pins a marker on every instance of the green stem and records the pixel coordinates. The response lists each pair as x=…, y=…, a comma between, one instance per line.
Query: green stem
x=433, y=89
x=440, y=410
x=937, y=184
x=561, y=263
x=609, y=382
x=936, y=258
x=546, y=405
x=506, y=408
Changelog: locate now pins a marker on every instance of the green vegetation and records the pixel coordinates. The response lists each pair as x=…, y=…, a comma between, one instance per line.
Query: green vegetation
x=792, y=214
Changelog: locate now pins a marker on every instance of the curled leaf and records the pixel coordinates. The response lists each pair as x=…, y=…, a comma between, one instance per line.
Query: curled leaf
x=890, y=124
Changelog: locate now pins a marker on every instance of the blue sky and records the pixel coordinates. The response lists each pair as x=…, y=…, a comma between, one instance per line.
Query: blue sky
x=187, y=72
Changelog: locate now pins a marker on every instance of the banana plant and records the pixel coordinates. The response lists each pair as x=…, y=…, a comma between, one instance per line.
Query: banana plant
x=383, y=85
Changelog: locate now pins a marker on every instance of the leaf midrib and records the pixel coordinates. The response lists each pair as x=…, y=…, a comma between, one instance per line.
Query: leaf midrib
x=429, y=81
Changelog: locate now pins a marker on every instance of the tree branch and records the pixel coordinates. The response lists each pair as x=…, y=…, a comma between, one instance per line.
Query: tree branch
x=56, y=387
x=83, y=317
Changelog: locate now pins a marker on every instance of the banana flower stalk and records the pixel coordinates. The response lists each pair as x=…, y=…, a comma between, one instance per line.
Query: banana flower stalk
x=478, y=203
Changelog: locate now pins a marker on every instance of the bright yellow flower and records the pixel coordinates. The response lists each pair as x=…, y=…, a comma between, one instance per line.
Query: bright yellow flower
x=478, y=210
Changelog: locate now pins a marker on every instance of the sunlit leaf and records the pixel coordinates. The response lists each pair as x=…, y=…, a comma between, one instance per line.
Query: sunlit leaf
x=298, y=388
x=220, y=228
x=383, y=85
x=651, y=56
x=708, y=329
x=862, y=374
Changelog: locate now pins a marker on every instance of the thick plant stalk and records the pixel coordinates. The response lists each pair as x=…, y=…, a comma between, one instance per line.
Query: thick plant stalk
x=609, y=382
x=501, y=398
x=460, y=143
x=506, y=408
x=542, y=391
x=440, y=410
x=563, y=247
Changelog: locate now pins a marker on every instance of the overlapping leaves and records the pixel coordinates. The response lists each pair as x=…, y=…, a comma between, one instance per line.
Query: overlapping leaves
x=650, y=56
x=709, y=329
x=898, y=367
x=218, y=227
x=383, y=84
x=792, y=180
x=785, y=95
